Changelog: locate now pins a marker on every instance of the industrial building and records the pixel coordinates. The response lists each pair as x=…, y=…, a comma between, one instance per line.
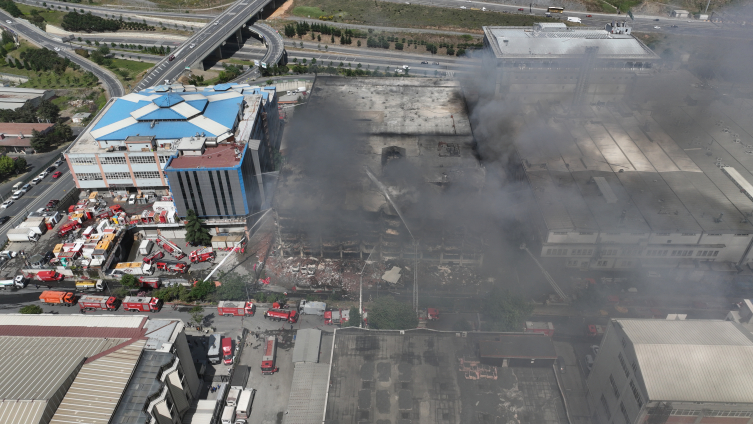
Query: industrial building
x=17, y=137
x=669, y=371
x=14, y=97
x=127, y=147
x=553, y=62
x=414, y=137
x=426, y=376
x=94, y=369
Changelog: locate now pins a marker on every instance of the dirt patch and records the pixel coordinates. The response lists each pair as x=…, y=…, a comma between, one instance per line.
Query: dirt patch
x=282, y=10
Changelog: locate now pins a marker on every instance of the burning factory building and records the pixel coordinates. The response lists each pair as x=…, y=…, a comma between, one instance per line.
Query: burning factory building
x=365, y=151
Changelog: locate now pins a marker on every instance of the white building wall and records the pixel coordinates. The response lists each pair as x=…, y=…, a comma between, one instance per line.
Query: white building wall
x=673, y=238
x=572, y=237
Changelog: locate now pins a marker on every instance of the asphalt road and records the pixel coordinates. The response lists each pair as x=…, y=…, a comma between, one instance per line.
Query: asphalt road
x=109, y=81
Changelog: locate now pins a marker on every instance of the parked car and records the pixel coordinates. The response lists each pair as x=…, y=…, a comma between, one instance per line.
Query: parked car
x=589, y=362
x=589, y=16
x=59, y=162
x=17, y=195
x=56, y=174
x=6, y=204
x=51, y=204
x=425, y=62
x=132, y=199
x=520, y=9
x=26, y=187
x=50, y=168
x=4, y=219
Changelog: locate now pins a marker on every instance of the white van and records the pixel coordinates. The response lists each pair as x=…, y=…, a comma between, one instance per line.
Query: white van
x=244, y=404
x=228, y=415
x=17, y=186
x=573, y=19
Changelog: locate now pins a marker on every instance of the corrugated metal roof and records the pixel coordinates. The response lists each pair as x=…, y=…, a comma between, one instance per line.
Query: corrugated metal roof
x=142, y=385
x=307, y=343
x=98, y=387
x=77, y=320
x=307, y=393
x=54, y=358
x=22, y=411
x=693, y=361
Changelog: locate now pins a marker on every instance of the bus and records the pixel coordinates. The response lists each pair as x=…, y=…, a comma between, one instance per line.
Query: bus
x=268, y=360
x=213, y=351
x=227, y=350
x=555, y=9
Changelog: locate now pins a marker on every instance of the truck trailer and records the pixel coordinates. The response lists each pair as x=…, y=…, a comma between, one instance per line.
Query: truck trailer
x=94, y=302
x=142, y=304
x=306, y=307
x=52, y=297
x=281, y=315
x=229, y=308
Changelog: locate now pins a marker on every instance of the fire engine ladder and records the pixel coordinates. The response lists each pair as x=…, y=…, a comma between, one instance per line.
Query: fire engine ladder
x=583, y=74
x=548, y=277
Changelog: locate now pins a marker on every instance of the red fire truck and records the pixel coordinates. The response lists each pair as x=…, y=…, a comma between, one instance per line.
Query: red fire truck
x=281, y=315
x=170, y=247
x=154, y=257
x=49, y=276
x=141, y=304
x=230, y=308
x=149, y=282
x=68, y=227
x=93, y=302
x=179, y=267
x=270, y=356
x=336, y=316
x=540, y=327
x=202, y=255
x=227, y=350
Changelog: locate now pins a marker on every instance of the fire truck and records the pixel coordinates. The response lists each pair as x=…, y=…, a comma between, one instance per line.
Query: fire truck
x=336, y=316
x=149, y=282
x=595, y=330
x=546, y=328
x=179, y=267
x=230, y=308
x=93, y=302
x=170, y=247
x=202, y=255
x=154, y=257
x=49, y=276
x=281, y=315
x=141, y=304
x=270, y=357
x=227, y=350
x=68, y=227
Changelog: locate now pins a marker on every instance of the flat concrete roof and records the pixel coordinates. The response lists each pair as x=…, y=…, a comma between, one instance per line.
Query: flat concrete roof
x=222, y=156
x=544, y=41
x=433, y=377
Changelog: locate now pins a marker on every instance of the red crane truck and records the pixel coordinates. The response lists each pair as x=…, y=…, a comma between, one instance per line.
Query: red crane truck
x=179, y=267
x=202, y=255
x=231, y=308
x=141, y=304
x=154, y=257
x=227, y=350
x=51, y=297
x=170, y=247
x=93, y=302
x=281, y=315
x=68, y=227
x=270, y=357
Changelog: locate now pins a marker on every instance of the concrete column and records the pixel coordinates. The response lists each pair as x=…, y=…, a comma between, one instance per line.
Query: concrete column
x=218, y=51
x=239, y=36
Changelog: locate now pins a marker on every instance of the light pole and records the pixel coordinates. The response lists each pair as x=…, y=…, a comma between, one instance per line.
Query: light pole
x=360, y=289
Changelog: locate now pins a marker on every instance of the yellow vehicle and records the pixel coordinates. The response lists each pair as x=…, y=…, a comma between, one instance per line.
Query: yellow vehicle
x=554, y=9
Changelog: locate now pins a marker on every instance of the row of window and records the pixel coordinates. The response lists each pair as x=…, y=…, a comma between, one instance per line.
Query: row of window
x=564, y=233
x=116, y=160
x=96, y=176
x=112, y=160
x=714, y=413
x=146, y=174
x=118, y=175
x=633, y=252
x=600, y=263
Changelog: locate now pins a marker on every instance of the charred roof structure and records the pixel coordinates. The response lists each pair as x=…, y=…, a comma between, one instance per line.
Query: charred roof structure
x=415, y=137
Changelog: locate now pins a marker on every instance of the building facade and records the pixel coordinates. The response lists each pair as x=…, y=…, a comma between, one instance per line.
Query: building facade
x=669, y=371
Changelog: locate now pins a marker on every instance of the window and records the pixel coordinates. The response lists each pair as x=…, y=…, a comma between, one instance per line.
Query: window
x=688, y=234
x=146, y=174
x=89, y=176
x=622, y=361
x=164, y=159
x=556, y=252
x=560, y=233
x=742, y=235
x=624, y=413
x=601, y=263
x=586, y=234
x=614, y=387
x=626, y=264
x=662, y=234
x=714, y=234
x=83, y=160
x=637, y=394
x=606, y=407
x=112, y=160
x=141, y=159
x=635, y=367
x=117, y=175
x=716, y=252
x=572, y=262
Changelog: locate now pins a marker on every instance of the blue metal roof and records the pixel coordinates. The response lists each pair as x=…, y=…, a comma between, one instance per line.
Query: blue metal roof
x=224, y=87
x=173, y=125
x=167, y=100
x=161, y=88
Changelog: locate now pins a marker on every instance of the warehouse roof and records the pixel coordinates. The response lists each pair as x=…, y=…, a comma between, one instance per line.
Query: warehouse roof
x=221, y=156
x=711, y=358
x=96, y=391
x=76, y=320
x=162, y=333
x=143, y=385
x=307, y=343
x=508, y=346
x=547, y=41
x=307, y=394
x=10, y=129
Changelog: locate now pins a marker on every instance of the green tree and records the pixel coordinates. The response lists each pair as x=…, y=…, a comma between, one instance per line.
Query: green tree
x=129, y=281
x=354, y=320
x=201, y=290
x=20, y=165
x=31, y=309
x=505, y=311
x=104, y=49
x=48, y=111
x=6, y=165
x=197, y=315
x=40, y=142
x=195, y=233
x=386, y=313
x=232, y=287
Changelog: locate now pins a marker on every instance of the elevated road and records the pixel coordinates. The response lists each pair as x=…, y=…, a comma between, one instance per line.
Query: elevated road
x=40, y=38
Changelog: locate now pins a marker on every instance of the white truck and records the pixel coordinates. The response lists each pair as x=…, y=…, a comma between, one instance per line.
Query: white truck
x=145, y=247
x=574, y=19
x=12, y=284
x=307, y=307
x=243, y=410
x=232, y=396
x=132, y=268
x=22, y=234
x=228, y=415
